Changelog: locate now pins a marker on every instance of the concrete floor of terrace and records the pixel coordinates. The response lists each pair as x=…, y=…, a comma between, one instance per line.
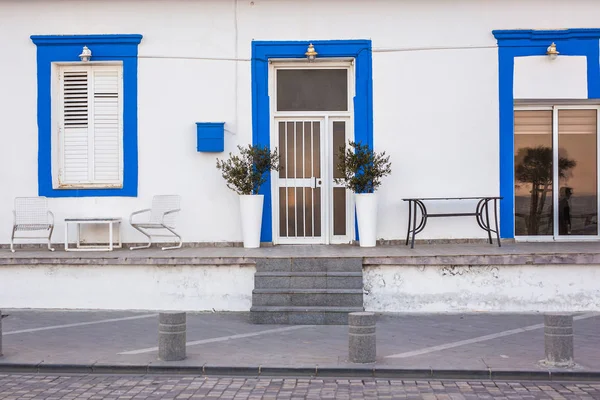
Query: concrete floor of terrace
x=468, y=345
x=423, y=253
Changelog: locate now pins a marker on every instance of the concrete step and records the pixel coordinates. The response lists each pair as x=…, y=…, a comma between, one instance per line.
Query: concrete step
x=306, y=290
x=308, y=280
x=301, y=315
x=309, y=264
x=308, y=297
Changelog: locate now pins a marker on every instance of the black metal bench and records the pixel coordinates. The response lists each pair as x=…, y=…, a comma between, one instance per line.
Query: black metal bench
x=483, y=220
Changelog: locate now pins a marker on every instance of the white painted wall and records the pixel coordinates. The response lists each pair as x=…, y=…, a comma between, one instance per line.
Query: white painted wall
x=539, y=77
x=128, y=287
x=435, y=94
x=498, y=288
x=390, y=288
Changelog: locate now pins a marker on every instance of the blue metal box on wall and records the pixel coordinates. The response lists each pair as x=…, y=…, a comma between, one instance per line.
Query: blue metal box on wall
x=211, y=136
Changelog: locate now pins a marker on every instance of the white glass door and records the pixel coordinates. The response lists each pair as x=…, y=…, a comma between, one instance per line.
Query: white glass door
x=556, y=173
x=311, y=119
x=300, y=182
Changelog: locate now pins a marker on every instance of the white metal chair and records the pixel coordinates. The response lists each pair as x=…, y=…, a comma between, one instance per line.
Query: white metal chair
x=161, y=217
x=31, y=214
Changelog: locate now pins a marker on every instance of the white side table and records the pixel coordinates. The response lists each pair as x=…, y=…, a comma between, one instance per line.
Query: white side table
x=111, y=222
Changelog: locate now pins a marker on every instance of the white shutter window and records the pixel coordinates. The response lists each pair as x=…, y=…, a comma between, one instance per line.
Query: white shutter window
x=107, y=125
x=74, y=130
x=91, y=126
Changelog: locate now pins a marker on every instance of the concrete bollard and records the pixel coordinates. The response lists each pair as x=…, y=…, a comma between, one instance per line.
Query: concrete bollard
x=361, y=337
x=171, y=336
x=558, y=339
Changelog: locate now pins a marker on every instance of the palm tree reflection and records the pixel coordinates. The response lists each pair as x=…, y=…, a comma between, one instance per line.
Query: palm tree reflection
x=533, y=168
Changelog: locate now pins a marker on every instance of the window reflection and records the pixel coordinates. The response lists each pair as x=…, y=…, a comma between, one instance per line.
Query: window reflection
x=578, y=199
x=533, y=173
x=576, y=153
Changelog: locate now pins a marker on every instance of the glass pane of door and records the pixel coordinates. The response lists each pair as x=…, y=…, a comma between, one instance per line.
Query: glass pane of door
x=577, y=171
x=533, y=173
x=312, y=90
x=339, y=193
x=300, y=173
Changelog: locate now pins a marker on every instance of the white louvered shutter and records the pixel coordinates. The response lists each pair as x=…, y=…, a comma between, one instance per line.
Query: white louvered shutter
x=74, y=129
x=91, y=128
x=107, y=125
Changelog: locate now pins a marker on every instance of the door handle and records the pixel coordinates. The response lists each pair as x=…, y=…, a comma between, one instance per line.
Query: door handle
x=315, y=182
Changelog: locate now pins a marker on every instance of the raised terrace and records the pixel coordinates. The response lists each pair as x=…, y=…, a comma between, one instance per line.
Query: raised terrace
x=427, y=253
x=519, y=277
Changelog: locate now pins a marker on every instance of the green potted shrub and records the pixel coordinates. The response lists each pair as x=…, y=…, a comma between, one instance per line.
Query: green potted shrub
x=362, y=170
x=244, y=174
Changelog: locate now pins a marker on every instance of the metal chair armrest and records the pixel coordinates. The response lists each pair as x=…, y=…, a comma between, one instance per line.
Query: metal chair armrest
x=162, y=219
x=136, y=213
x=51, y=215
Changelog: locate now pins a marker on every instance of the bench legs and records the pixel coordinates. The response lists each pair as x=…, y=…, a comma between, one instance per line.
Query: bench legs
x=482, y=215
x=485, y=224
x=412, y=217
x=409, y=220
x=496, y=222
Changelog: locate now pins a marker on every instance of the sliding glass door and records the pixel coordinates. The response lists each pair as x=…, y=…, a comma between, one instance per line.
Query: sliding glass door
x=556, y=172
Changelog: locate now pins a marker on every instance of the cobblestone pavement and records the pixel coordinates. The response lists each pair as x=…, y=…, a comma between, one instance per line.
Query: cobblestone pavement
x=116, y=387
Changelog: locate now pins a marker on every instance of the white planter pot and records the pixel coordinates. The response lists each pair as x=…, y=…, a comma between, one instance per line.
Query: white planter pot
x=366, y=213
x=251, y=207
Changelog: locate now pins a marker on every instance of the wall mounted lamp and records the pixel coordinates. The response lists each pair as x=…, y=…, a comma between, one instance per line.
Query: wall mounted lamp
x=86, y=54
x=552, y=52
x=311, y=54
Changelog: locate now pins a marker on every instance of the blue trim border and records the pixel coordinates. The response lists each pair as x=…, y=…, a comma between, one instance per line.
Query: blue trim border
x=524, y=43
x=51, y=49
x=262, y=51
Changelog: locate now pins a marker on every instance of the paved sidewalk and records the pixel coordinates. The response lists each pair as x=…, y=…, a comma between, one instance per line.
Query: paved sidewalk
x=150, y=387
x=421, y=345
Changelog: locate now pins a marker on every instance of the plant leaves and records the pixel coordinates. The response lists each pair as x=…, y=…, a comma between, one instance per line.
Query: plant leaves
x=246, y=172
x=362, y=168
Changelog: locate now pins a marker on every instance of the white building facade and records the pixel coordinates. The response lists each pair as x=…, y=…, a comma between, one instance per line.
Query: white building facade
x=462, y=95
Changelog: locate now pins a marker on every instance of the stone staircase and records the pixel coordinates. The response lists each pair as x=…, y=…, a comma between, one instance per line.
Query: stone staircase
x=306, y=291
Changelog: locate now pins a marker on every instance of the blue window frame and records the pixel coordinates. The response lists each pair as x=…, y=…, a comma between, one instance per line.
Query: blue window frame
x=262, y=51
x=56, y=49
x=523, y=43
